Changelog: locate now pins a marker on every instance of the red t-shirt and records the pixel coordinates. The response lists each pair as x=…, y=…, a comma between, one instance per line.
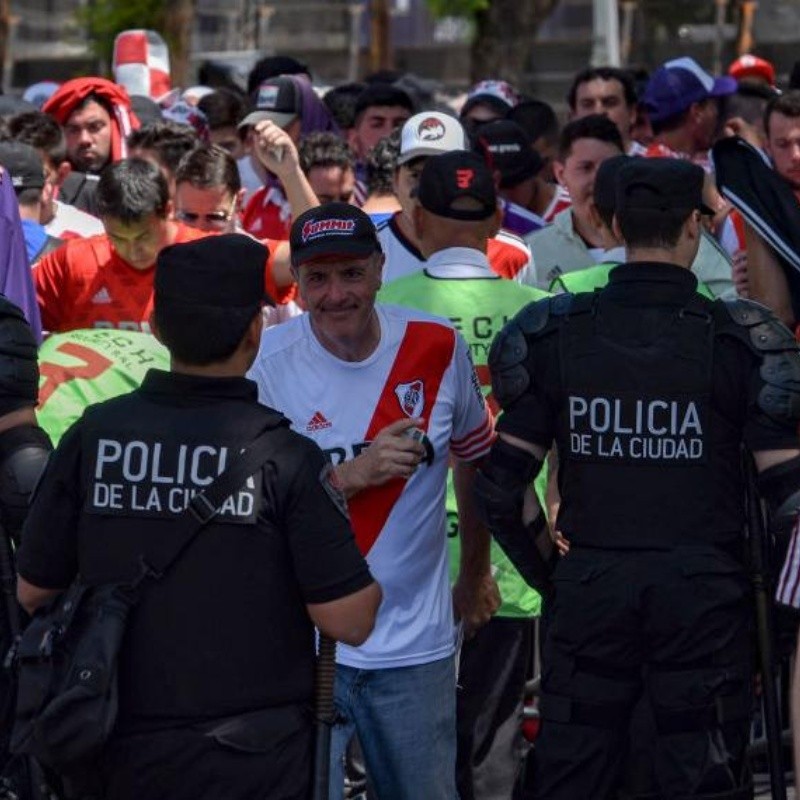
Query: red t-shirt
x=268, y=214
x=85, y=284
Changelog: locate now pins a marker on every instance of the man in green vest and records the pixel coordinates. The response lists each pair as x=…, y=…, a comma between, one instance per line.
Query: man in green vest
x=456, y=213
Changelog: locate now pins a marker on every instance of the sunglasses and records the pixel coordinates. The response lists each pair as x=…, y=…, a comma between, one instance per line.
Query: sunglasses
x=214, y=218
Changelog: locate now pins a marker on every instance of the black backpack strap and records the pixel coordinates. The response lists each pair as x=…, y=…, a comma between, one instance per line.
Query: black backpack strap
x=203, y=506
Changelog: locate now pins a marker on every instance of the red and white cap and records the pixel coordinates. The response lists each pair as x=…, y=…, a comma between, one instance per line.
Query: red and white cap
x=752, y=67
x=430, y=133
x=141, y=63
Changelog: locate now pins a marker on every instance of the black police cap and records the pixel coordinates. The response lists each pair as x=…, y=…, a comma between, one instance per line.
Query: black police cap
x=506, y=148
x=661, y=184
x=224, y=271
x=447, y=178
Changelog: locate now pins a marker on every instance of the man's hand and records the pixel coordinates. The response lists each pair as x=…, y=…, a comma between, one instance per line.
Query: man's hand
x=392, y=454
x=475, y=600
x=275, y=149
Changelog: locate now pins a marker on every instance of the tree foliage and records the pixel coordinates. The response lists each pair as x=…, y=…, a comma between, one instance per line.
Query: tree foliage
x=104, y=19
x=503, y=33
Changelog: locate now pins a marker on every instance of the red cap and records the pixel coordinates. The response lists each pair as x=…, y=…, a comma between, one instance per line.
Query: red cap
x=748, y=66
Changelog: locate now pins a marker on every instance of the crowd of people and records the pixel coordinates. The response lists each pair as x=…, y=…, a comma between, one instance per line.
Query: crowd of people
x=510, y=361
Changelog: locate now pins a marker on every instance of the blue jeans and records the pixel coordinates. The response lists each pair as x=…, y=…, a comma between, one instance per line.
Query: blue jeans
x=405, y=718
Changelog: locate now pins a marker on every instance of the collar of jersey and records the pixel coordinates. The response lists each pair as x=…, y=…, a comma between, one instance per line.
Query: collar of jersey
x=459, y=262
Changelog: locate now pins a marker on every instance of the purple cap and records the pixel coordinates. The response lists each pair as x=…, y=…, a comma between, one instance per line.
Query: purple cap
x=677, y=84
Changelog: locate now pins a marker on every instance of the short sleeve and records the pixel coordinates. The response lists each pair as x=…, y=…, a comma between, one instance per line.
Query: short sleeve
x=48, y=553
x=326, y=558
x=49, y=282
x=473, y=424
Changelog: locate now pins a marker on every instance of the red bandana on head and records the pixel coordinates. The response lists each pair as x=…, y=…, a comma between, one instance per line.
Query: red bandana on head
x=72, y=93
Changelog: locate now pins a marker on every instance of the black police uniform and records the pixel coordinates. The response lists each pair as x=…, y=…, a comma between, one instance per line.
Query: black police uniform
x=649, y=391
x=216, y=674
x=23, y=454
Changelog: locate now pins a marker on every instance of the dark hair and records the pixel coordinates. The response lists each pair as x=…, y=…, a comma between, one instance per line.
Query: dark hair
x=341, y=102
x=41, y=131
x=132, y=189
x=787, y=104
x=672, y=123
x=28, y=197
x=202, y=336
x=223, y=108
x=209, y=165
x=593, y=126
x=94, y=98
x=537, y=119
x=648, y=227
x=322, y=149
x=624, y=77
x=272, y=66
x=169, y=141
x=381, y=164
x=749, y=102
x=382, y=94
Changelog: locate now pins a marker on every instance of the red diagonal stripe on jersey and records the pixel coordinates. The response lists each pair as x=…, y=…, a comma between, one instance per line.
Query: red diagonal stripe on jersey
x=424, y=354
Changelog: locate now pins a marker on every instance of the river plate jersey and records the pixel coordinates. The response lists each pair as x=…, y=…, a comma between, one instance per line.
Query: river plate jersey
x=458, y=284
x=421, y=367
x=83, y=367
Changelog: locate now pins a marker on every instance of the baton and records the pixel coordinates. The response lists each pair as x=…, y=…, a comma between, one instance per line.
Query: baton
x=325, y=715
x=758, y=542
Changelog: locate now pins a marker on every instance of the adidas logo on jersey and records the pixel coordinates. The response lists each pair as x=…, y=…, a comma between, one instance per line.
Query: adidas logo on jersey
x=102, y=296
x=318, y=422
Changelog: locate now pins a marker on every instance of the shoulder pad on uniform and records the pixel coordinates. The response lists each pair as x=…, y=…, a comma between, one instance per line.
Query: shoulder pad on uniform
x=765, y=332
x=778, y=350
x=509, y=352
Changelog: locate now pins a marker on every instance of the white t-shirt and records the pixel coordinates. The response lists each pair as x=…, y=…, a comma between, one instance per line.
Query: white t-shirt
x=421, y=367
x=72, y=223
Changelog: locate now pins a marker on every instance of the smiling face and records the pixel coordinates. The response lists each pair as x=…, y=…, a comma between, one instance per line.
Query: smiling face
x=339, y=295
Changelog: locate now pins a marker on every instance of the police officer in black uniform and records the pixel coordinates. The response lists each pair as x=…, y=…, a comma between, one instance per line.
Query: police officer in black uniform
x=649, y=391
x=216, y=673
x=24, y=448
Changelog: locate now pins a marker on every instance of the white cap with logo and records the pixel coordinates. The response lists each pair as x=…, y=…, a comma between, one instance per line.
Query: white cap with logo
x=430, y=133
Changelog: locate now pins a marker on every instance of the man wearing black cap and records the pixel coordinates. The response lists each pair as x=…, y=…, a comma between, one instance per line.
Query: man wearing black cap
x=649, y=391
x=454, y=219
x=216, y=674
x=505, y=146
x=391, y=396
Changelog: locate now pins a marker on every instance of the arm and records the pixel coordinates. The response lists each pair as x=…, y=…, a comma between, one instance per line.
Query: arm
x=475, y=594
x=269, y=142
x=392, y=454
x=767, y=281
x=349, y=619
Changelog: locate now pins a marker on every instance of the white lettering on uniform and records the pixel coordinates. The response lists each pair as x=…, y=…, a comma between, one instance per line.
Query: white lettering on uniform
x=108, y=451
x=577, y=407
x=194, y=473
x=127, y=460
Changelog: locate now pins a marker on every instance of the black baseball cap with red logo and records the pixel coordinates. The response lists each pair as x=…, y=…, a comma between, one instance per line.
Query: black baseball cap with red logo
x=330, y=230
x=448, y=178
